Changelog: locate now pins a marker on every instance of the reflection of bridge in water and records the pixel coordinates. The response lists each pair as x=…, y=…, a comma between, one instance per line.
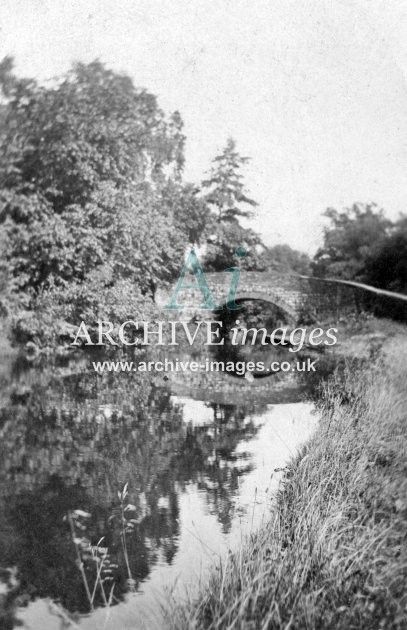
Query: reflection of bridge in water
x=224, y=389
x=211, y=383
x=295, y=295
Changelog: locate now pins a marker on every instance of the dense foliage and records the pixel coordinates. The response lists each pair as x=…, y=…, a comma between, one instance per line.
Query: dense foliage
x=285, y=257
x=361, y=244
x=387, y=265
x=90, y=189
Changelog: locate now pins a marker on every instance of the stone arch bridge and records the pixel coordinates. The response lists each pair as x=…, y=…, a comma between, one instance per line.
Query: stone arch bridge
x=297, y=296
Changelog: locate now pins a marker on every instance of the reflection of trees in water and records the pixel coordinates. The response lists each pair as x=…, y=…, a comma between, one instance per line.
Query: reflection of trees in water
x=71, y=443
x=207, y=457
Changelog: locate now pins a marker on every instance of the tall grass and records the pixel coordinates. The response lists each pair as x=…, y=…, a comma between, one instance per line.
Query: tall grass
x=334, y=552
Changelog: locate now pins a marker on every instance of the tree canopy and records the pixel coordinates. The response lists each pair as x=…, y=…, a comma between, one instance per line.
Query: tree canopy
x=348, y=240
x=90, y=178
x=284, y=257
x=386, y=266
x=361, y=244
x=225, y=191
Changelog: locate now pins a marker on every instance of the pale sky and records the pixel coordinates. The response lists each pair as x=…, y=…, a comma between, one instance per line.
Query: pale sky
x=314, y=91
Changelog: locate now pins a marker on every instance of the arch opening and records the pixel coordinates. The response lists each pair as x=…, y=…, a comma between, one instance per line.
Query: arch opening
x=244, y=339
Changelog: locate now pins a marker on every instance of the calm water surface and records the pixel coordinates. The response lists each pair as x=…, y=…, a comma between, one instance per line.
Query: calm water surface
x=201, y=456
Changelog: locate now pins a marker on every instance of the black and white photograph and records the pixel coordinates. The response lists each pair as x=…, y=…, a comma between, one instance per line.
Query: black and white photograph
x=203, y=315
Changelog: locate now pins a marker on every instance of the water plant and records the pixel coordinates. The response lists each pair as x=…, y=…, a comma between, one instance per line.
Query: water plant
x=94, y=561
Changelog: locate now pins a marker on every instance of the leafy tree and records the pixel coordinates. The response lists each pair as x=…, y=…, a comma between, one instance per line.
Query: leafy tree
x=386, y=266
x=93, y=212
x=191, y=213
x=90, y=172
x=225, y=189
x=92, y=126
x=282, y=257
x=349, y=241
x=221, y=248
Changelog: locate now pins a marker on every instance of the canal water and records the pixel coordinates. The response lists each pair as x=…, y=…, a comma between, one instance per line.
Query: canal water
x=127, y=488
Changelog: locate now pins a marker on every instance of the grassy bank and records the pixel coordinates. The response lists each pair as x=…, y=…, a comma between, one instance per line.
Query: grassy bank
x=334, y=552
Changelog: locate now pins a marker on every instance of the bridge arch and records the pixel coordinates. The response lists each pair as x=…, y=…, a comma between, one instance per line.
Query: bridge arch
x=295, y=294
x=269, y=298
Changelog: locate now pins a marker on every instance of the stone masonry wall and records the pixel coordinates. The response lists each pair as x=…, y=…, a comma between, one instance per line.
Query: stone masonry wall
x=296, y=295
